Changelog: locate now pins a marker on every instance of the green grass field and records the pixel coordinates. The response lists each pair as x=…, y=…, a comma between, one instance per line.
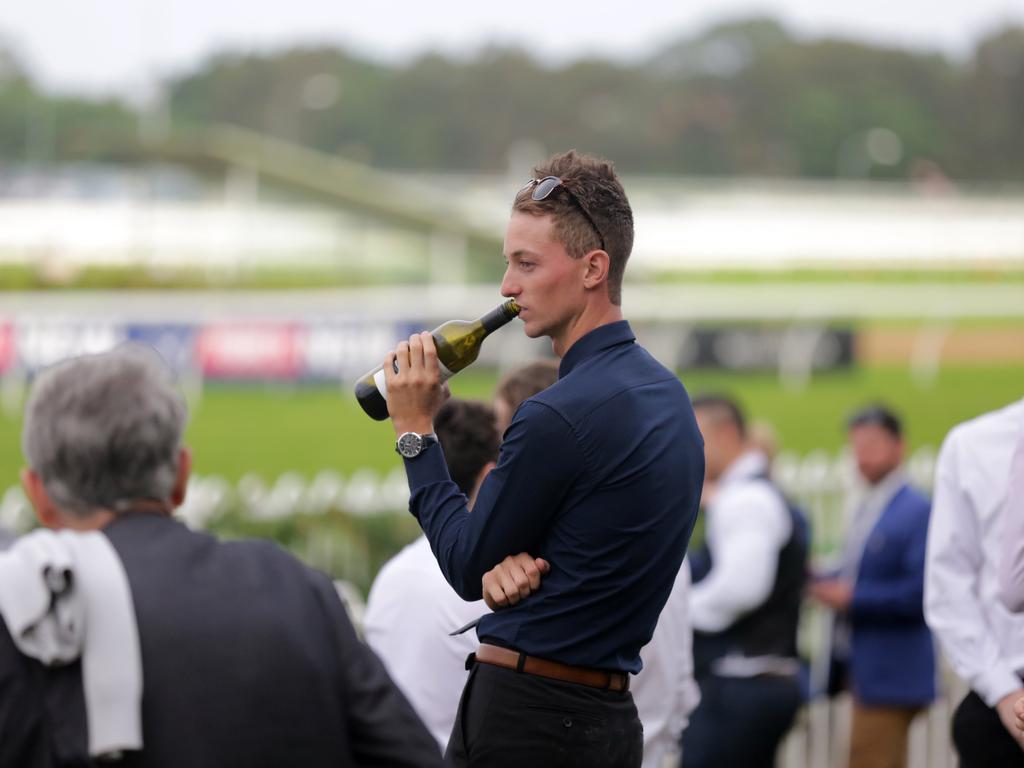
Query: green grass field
x=269, y=431
x=236, y=430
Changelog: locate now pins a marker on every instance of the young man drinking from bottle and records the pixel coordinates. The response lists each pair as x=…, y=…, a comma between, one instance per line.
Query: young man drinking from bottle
x=599, y=477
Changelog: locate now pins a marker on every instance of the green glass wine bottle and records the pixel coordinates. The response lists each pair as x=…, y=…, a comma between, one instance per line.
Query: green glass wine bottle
x=458, y=343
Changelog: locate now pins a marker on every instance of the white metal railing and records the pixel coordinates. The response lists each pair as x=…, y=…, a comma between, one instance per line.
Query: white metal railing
x=819, y=481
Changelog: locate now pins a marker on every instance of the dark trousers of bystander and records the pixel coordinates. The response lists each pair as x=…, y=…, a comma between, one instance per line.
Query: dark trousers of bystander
x=981, y=739
x=508, y=718
x=740, y=721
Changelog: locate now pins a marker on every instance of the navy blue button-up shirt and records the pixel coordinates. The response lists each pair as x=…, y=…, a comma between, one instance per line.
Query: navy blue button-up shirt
x=600, y=475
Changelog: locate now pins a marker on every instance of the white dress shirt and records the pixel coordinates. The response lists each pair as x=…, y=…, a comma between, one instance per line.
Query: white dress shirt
x=1011, y=565
x=409, y=614
x=747, y=525
x=871, y=502
x=665, y=692
x=982, y=640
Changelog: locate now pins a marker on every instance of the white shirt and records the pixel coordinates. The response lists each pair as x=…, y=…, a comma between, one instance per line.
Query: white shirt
x=409, y=614
x=1011, y=565
x=665, y=692
x=982, y=640
x=867, y=511
x=747, y=525
x=872, y=502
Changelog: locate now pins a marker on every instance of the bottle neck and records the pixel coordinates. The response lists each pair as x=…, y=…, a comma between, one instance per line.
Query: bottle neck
x=499, y=316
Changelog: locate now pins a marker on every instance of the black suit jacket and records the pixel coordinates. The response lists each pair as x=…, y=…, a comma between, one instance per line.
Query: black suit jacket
x=248, y=657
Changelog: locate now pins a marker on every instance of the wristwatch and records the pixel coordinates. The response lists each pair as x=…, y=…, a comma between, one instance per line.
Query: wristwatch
x=412, y=444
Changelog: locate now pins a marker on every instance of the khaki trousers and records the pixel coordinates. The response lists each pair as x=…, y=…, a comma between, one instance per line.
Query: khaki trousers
x=878, y=736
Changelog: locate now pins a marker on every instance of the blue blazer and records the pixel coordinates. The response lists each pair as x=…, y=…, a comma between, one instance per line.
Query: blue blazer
x=892, y=656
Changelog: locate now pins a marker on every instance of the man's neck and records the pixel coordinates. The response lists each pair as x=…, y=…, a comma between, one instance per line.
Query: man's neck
x=893, y=476
x=95, y=521
x=732, y=461
x=584, y=323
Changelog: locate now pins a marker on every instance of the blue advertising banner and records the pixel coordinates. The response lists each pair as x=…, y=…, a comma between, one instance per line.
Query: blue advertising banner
x=175, y=343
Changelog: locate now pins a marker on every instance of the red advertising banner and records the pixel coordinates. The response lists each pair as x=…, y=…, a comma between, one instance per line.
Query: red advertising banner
x=249, y=351
x=6, y=345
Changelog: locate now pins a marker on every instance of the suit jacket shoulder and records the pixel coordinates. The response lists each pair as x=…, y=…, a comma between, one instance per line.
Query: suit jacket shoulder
x=250, y=659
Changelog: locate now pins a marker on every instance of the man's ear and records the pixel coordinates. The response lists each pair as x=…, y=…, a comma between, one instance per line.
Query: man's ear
x=47, y=512
x=596, y=272
x=480, y=477
x=181, y=481
x=482, y=474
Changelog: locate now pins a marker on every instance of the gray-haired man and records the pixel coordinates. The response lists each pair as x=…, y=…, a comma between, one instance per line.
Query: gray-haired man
x=247, y=655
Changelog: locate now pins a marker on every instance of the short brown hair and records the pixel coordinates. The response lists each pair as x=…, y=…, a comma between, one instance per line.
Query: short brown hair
x=596, y=187
x=469, y=439
x=723, y=408
x=523, y=383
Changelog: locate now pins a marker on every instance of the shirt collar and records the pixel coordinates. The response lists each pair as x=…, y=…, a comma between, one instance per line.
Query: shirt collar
x=749, y=464
x=885, y=490
x=597, y=340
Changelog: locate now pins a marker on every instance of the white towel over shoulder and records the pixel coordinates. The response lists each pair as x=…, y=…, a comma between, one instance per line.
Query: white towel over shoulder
x=64, y=595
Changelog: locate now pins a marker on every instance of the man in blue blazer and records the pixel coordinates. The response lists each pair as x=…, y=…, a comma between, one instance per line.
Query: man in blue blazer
x=882, y=647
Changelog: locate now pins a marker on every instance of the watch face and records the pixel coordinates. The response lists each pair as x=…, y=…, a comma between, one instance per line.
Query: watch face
x=410, y=444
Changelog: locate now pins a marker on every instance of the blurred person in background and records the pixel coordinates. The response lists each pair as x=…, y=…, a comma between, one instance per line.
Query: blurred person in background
x=127, y=636
x=881, y=647
x=518, y=386
x=412, y=611
x=1011, y=565
x=745, y=602
x=599, y=475
x=983, y=642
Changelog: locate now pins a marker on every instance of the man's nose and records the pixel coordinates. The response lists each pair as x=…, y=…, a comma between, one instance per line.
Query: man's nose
x=509, y=287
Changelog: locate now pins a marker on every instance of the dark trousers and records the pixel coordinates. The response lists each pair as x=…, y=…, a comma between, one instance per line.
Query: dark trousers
x=981, y=739
x=740, y=721
x=511, y=719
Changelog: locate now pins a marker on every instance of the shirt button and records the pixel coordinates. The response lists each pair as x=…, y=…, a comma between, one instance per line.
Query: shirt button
x=567, y=722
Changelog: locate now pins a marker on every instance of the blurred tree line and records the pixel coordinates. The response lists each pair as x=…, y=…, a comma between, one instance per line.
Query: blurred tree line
x=745, y=97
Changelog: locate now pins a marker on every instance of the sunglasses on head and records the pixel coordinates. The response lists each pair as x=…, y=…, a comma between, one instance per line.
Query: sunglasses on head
x=542, y=189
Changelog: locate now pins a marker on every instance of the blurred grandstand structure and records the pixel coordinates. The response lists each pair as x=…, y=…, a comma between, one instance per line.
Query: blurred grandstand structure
x=802, y=264
x=226, y=198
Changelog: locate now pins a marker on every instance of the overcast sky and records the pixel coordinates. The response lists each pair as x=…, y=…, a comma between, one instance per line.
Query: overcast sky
x=119, y=46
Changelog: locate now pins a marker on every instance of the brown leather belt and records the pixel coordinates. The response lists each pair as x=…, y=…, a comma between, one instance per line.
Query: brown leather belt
x=531, y=665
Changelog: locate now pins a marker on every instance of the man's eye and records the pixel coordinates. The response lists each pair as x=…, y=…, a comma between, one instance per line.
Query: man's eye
x=526, y=265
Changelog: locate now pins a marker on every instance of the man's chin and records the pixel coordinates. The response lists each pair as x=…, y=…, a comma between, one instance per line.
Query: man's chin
x=533, y=331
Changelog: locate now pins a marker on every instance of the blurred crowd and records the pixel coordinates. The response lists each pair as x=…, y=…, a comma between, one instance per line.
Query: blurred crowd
x=723, y=677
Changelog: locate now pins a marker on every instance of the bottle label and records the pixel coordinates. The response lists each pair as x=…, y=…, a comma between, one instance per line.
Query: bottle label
x=382, y=385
